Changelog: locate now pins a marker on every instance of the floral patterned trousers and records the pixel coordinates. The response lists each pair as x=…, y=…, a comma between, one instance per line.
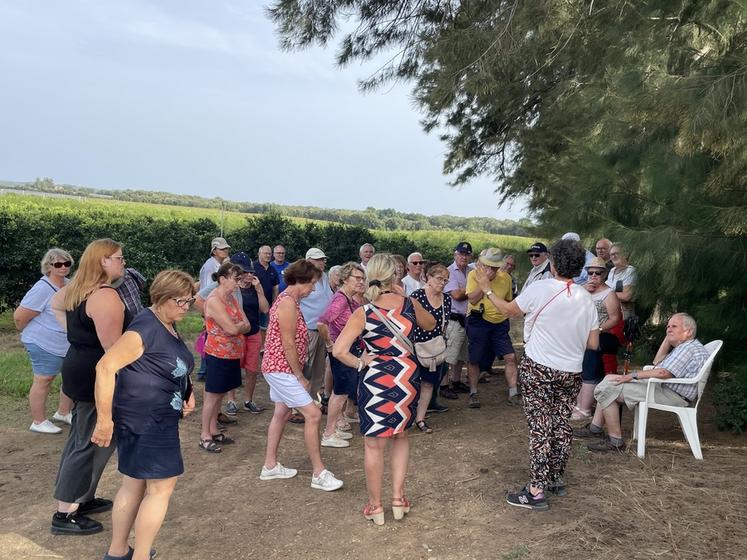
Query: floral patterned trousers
x=549, y=396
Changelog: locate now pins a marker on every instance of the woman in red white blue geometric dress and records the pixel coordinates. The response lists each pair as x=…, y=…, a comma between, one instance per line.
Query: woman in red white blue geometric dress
x=388, y=390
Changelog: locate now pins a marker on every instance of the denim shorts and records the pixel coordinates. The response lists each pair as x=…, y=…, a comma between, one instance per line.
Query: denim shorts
x=42, y=362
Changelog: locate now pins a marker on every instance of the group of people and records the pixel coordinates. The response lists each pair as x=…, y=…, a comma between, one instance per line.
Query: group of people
x=375, y=342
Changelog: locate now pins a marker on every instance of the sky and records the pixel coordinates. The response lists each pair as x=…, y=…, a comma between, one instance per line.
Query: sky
x=196, y=97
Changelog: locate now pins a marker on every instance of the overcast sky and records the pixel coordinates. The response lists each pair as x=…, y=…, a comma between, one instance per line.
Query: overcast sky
x=195, y=97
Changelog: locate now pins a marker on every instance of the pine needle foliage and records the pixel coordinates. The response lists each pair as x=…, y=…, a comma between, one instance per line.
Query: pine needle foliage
x=615, y=118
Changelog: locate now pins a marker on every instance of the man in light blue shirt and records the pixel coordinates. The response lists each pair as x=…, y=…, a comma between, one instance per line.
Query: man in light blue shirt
x=312, y=307
x=279, y=264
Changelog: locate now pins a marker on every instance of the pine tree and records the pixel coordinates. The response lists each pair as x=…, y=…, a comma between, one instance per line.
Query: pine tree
x=618, y=119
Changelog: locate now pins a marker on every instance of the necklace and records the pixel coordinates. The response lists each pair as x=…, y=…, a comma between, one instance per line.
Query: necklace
x=169, y=326
x=382, y=292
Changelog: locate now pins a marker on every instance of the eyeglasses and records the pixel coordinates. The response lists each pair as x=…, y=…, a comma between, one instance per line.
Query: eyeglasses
x=595, y=272
x=417, y=263
x=534, y=255
x=184, y=302
x=120, y=257
x=66, y=264
x=358, y=278
x=440, y=279
x=614, y=254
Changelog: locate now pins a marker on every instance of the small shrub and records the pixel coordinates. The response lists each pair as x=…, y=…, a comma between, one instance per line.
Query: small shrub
x=730, y=399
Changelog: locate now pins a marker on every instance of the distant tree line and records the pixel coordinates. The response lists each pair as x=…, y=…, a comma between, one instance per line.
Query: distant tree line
x=371, y=218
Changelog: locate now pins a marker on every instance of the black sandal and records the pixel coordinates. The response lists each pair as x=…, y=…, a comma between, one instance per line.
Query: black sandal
x=209, y=446
x=423, y=427
x=225, y=439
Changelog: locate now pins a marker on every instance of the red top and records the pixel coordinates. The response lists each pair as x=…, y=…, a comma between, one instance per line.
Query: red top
x=274, y=360
x=219, y=343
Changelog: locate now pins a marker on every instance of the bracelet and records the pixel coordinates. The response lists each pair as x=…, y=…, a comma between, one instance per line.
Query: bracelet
x=489, y=293
x=360, y=365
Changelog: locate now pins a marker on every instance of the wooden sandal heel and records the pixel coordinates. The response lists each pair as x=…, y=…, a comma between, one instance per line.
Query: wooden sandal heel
x=370, y=513
x=400, y=508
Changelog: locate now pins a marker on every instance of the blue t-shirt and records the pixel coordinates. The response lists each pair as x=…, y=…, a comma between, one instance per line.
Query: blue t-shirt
x=150, y=391
x=315, y=304
x=280, y=268
x=44, y=330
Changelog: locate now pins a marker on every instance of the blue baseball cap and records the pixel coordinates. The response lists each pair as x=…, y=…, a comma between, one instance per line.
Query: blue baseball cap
x=242, y=259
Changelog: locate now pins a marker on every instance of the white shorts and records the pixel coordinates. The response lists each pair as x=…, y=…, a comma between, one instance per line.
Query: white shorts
x=287, y=389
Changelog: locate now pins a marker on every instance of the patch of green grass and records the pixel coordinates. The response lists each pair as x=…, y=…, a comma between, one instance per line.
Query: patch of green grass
x=191, y=325
x=582, y=453
x=516, y=552
x=15, y=374
x=6, y=322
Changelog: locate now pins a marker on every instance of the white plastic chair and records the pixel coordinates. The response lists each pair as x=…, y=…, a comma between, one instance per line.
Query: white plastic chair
x=686, y=414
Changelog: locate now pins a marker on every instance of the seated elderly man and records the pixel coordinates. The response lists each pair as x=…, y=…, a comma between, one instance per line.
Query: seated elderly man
x=680, y=356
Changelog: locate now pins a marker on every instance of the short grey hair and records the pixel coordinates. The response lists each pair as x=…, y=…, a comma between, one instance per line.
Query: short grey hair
x=688, y=322
x=415, y=254
x=364, y=246
x=55, y=254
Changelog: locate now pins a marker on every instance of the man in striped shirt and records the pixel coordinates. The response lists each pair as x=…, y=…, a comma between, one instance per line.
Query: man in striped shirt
x=680, y=356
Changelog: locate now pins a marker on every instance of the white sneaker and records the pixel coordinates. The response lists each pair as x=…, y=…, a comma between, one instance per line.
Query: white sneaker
x=278, y=471
x=325, y=481
x=342, y=434
x=45, y=427
x=65, y=418
x=350, y=419
x=334, y=441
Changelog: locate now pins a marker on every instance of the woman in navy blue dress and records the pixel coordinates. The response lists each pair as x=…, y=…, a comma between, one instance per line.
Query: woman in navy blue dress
x=152, y=392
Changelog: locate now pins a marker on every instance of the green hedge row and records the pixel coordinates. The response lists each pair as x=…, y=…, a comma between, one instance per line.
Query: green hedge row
x=28, y=229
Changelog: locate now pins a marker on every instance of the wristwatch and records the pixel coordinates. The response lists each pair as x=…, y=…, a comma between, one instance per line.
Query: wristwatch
x=489, y=293
x=634, y=375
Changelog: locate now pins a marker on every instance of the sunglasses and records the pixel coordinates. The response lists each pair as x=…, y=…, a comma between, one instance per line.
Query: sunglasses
x=595, y=272
x=417, y=263
x=534, y=255
x=184, y=302
x=66, y=264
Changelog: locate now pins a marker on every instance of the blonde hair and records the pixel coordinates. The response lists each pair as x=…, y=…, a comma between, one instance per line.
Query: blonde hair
x=90, y=274
x=52, y=256
x=171, y=284
x=380, y=273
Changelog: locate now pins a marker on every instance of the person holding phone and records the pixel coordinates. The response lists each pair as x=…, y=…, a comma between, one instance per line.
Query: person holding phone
x=149, y=366
x=622, y=279
x=253, y=302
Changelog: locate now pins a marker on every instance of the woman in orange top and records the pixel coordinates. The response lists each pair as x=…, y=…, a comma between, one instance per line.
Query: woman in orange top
x=225, y=324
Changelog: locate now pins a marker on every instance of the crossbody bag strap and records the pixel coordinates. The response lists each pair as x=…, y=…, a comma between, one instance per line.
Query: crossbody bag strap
x=398, y=334
x=567, y=288
x=48, y=283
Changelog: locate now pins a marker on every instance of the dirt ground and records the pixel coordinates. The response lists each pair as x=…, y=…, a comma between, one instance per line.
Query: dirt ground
x=668, y=505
